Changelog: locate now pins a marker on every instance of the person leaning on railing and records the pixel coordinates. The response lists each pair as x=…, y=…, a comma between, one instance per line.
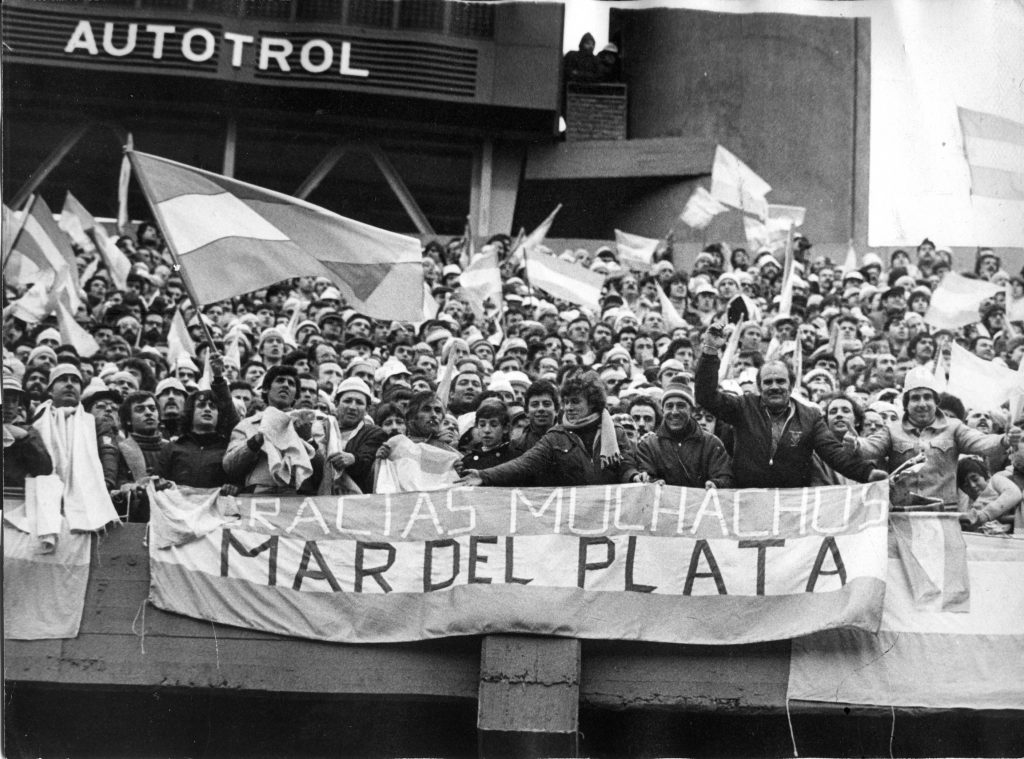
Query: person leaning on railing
x=941, y=438
x=584, y=449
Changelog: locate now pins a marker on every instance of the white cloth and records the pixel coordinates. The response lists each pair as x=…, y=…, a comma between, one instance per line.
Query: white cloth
x=287, y=455
x=415, y=467
x=69, y=435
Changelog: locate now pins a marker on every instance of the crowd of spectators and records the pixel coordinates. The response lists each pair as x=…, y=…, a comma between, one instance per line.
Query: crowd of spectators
x=300, y=394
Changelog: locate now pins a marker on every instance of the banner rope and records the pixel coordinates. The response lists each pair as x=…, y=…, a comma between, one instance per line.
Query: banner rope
x=789, y=720
x=142, y=635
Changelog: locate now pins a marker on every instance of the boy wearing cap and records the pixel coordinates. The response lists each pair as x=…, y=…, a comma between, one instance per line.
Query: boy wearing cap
x=679, y=451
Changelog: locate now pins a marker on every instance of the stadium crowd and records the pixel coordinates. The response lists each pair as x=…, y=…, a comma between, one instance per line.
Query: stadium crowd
x=300, y=394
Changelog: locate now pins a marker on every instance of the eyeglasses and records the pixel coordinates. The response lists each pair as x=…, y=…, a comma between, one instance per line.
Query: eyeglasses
x=104, y=406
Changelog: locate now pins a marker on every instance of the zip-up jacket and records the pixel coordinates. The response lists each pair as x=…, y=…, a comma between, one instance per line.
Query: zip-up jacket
x=688, y=459
x=757, y=462
x=560, y=459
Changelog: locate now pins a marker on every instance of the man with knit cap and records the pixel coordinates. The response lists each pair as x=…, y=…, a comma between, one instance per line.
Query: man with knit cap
x=271, y=347
x=70, y=437
x=775, y=436
x=941, y=438
x=679, y=451
x=354, y=450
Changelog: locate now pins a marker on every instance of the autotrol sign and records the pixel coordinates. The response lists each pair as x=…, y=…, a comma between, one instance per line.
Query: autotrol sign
x=199, y=44
x=249, y=50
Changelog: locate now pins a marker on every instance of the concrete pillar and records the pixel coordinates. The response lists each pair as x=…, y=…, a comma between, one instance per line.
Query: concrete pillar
x=529, y=696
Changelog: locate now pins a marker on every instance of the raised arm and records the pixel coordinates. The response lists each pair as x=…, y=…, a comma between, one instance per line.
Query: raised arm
x=723, y=405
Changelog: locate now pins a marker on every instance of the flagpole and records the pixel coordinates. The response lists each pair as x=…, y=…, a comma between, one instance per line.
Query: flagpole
x=159, y=218
x=526, y=266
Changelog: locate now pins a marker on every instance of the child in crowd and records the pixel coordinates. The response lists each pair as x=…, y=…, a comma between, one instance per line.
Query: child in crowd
x=490, y=446
x=390, y=418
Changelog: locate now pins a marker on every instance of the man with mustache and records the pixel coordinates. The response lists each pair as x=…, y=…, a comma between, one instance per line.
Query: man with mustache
x=170, y=399
x=776, y=437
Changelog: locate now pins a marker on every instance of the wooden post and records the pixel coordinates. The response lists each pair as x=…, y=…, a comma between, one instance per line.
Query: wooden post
x=529, y=696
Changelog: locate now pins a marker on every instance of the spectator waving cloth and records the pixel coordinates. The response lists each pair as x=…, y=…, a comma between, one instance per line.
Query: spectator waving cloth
x=69, y=434
x=415, y=466
x=287, y=457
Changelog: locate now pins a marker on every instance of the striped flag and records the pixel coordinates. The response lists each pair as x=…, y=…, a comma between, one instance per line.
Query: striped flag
x=179, y=341
x=700, y=209
x=979, y=383
x=736, y=185
x=71, y=332
x=956, y=301
x=671, y=317
x=994, y=147
x=925, y=654
x=41, y=240
x=635, y=251
x=232, y=238
x=83, y=229
x=529, y=243
x=564, y=280
x=44, y=593
x=482, y=280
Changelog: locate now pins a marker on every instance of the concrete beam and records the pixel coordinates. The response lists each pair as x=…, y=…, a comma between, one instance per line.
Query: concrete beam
x=615, y=159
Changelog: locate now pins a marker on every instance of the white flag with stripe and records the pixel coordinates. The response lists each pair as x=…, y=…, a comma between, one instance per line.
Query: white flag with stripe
x=700, y=209
x=635, y=251
x=735, y=184
x=564, y=280
x=956, y=301
x=82, y=227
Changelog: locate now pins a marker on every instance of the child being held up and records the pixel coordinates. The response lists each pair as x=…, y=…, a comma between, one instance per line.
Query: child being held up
x=490, y=445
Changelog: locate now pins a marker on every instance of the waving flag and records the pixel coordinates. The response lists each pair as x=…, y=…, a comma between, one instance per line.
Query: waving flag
x=83, y=229
x=533, y=240
x=956, y=301
x=736, y=185
x=482, y=280
x=41, y=240
x=635, y=251
x=179, y=341
x=564, y=280
x=232, y=238
x=700, y=209
x=71, y=332
x=980, y=383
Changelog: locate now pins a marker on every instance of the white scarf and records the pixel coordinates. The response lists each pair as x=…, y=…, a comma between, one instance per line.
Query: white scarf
x=77, y=483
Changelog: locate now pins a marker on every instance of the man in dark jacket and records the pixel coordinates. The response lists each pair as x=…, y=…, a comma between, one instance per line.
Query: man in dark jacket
x=679, y=451
x=775, y=435
x=196, y=458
